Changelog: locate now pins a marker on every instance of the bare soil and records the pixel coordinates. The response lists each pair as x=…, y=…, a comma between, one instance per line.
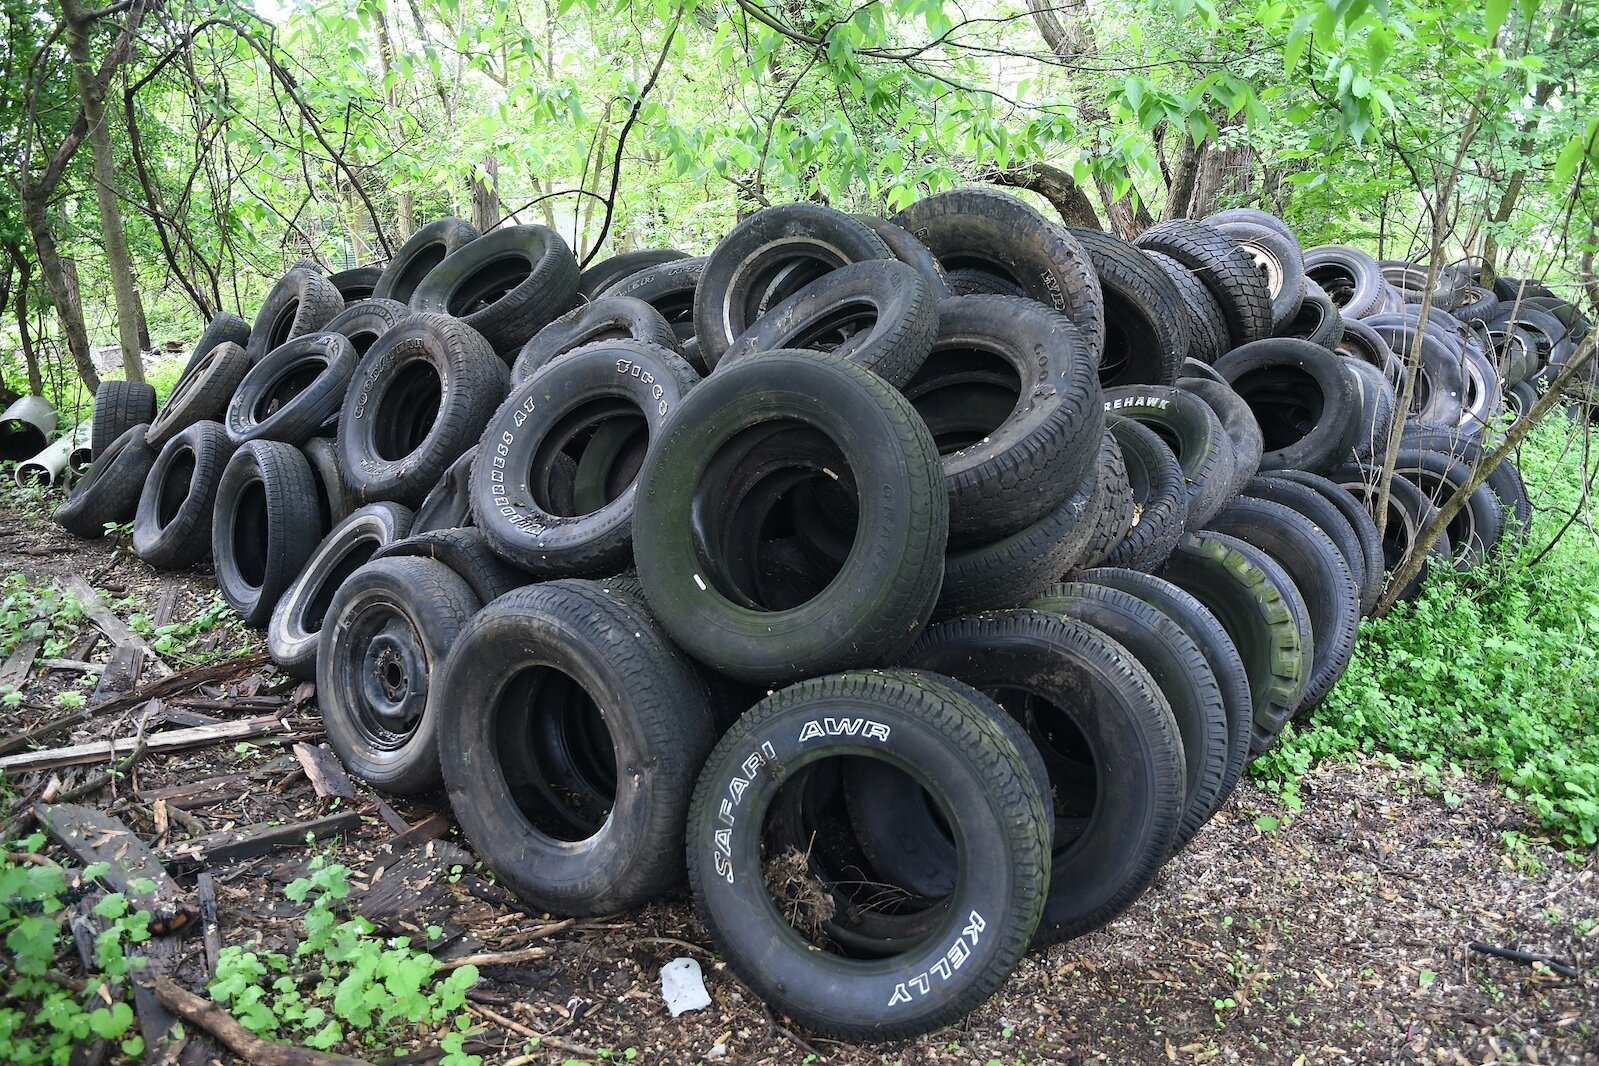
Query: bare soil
x=1336, y=933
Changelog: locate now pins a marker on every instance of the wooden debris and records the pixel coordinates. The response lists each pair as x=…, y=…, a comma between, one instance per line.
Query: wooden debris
x=413, y=894
x=170, y=740
x=251, y=1048
x=200, y=793
x=183, y=681
x=121, y=674
x=324, y=770
x=390, y=816
x=166, y=608
x=14, y=670
x=95, y=610
x=210, y=928
x=77, y=666
x=234, y=845
x=430, y=828
x=93, y=836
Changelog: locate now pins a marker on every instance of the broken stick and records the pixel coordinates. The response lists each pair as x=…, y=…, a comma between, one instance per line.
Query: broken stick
x=243, y=1043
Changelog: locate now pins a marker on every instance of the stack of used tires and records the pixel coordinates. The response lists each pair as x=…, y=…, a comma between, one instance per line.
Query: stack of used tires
x=915, y=587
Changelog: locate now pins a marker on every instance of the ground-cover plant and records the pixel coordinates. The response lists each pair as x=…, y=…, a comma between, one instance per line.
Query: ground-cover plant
x=1497, y=669
x=342, y=983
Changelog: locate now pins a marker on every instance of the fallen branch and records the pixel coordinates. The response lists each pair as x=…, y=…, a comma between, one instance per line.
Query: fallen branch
x=101, y=780
x=243, y=1043
x=544, y=1040
x=171, y=740
x=1525, y=957
x=507, y=958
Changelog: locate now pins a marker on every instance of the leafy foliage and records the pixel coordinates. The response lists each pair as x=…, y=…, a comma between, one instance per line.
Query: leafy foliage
x=342, y=983
x=1498, y=668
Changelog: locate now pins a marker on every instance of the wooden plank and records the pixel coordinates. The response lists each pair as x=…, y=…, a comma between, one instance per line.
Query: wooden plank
x=324, y=770
x=171, y=740
x=249, y=842
x=430, y=828
x=210, y=929
x=185, y=681
x=15, y=669
x=413, y=894
x=200, y=793
x=390, y=816
x=121, y=674
x=95, y=837
x=166, y=609
x=95, y=610
x=77, y=666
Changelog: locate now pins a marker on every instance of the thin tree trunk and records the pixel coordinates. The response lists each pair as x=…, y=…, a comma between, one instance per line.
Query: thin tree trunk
x=404, y=201
x=1054, y=185
x=30, y=357
x=60, y=278
x=91, y=95
x=486, y=196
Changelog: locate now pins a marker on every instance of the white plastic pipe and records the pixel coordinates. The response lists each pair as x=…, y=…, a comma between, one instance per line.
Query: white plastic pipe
x=50, y=465
x=25, y=426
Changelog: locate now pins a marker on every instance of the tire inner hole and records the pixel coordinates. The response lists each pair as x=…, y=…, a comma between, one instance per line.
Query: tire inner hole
x=589, y=458
x=295, y=379
x=406, y=411
x=557, y=753
x=175, y=486
x=1287, y=402
x=964, y=395
x=489, y=283
x=251, y=534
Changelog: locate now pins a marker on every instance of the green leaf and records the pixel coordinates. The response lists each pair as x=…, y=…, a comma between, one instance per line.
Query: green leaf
x=112, y=1023
x=1379, y=47
x=1266, y=824
x=1495, y=11
x=1566, y=162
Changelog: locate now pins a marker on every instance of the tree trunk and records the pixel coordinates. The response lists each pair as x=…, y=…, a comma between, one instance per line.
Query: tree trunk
x=62, y=284
x=29, y=356
x=1054, y=185
x=142, y=322
x=91, y=95
x=1221, y=170
x=1180, y=192
x=404, y=201
x=486, y=196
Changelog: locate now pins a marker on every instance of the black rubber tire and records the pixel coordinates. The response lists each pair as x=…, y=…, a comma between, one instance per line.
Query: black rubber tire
x=465, y=551
x=1146, y=324
x=669, y=288
x=903, y=245
x=1222, y=656
x=108, y=493
x=997, y=233
x=1250, y=216
x=1280, y=261
x=1504, y=479
x=356, y=283
x=1255, y=614
x=448, y=504
x=1182, y=673
x=1160, y=497
x=767, y=258
x=1193, y=368
x=202, y=394
x=1475, y=303
x=172, y=527
x=1349, y=277
x=1319, y=570
x=1337, y=513
x=576, y=733
x=623, y=392
x=879, y=313
x=225, y=327
x=1193, y=431
x=1477, y=528
x=1208, y=336
x=609, y=318
x=986, y=793
x=1379, y=406
x=364, y=321
x=1482, y=396
x=1239, y=423
x=418, y=399
x=1409, y=511
x=1224, y=268
x=380, y=670
x=1519, y=400
x=1361, y=343
x=333, y=499
x=118, y=407
x=1113, y=516
x=686, y=521
x=1318, y=319
x=1019, y=567
x=1011, y=397
x=607, y=272
x=265, y=526
x=1440, y=379
x=426, y=249
x=295, y=629
x=303, y=301
x=292, y=391
x=1303, y=397
x=507, y=285
x=1099, y=706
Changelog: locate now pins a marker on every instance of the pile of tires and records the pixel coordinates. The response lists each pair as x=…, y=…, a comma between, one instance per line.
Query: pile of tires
x=914, y=589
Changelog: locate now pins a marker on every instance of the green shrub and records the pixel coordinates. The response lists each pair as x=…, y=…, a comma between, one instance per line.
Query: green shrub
x=1498, y=668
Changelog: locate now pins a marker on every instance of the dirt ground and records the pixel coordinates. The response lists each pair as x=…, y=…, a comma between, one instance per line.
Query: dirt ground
x=1336, y=933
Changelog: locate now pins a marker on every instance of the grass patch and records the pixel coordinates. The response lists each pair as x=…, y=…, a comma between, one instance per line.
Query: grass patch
x=1497, y=669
